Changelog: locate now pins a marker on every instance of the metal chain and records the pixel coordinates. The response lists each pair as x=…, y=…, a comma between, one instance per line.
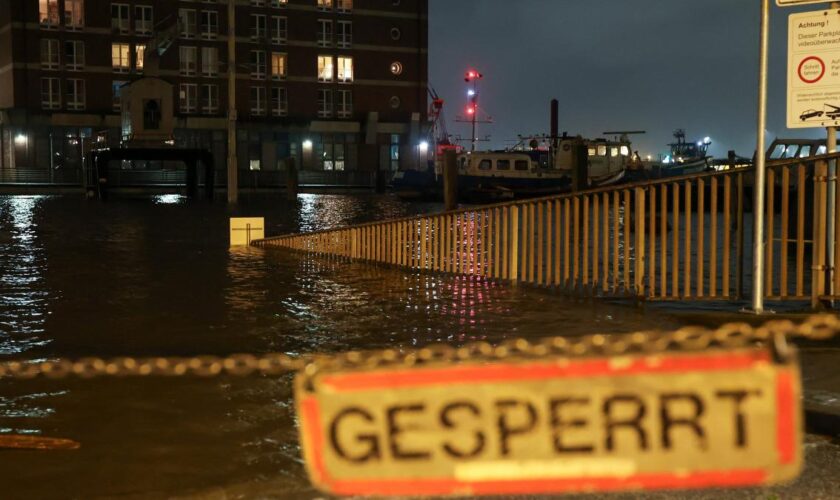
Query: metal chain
x=732, y=335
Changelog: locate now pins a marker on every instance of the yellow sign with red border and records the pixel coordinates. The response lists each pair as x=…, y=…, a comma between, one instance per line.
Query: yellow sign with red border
x=720, y=418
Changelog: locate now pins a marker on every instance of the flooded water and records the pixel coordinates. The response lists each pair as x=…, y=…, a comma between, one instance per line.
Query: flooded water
x=155, y=276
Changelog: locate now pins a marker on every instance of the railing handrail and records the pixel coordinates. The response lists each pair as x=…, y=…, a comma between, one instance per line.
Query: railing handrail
x=562, y=196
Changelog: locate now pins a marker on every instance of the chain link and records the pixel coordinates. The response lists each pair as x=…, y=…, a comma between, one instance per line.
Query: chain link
x=732, y=335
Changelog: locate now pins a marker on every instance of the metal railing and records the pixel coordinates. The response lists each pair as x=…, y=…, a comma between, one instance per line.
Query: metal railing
x=679, y=238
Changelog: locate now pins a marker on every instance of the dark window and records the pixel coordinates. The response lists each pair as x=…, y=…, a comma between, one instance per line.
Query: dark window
x=485, y=165
x=151, y=114
x=521, y=165
x=502, y=164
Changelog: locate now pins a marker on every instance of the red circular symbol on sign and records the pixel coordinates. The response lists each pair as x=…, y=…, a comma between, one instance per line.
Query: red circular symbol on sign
x=802, y=66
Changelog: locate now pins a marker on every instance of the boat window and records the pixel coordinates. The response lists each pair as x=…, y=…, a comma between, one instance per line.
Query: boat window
x=602, y=151
x=805, y=151
x=463, y=162
x=485, y=165
x=592, y=150
x=821, y=150
x=613, y=151
x=791, y=151
x=778, y=152
x=625, y=151
x=502, y=164
x=521, y=165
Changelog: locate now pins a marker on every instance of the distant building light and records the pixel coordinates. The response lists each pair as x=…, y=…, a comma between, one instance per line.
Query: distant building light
x=424, y=147
x=307, y=144
x=21, y=139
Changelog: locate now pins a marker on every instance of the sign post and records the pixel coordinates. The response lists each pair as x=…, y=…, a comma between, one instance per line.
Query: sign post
x=760, y=163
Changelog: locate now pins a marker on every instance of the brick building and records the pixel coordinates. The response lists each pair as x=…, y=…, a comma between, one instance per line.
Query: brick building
x=339, y=83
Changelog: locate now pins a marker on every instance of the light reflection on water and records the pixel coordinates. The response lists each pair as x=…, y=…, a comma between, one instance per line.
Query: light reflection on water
x=23, y=300
x=145, y=278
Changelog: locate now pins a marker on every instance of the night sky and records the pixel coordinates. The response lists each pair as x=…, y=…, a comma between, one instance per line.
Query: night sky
x=654, y=65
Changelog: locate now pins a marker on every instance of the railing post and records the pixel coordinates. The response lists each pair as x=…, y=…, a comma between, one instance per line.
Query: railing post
x=640, y=242
x=819, y=247
x=514, y=244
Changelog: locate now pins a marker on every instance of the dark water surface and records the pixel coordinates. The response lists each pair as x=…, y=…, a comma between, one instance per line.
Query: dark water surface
x=155, y=276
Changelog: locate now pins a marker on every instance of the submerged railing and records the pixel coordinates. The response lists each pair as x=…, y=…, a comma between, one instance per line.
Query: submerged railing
x=680, y=238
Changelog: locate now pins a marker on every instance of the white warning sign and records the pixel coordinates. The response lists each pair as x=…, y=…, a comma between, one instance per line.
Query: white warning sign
x=814, y=69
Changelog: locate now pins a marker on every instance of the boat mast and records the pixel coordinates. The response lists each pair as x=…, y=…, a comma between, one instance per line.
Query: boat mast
x=471, y=111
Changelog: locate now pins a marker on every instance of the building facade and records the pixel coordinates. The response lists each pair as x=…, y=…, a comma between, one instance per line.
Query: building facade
x=340, y=84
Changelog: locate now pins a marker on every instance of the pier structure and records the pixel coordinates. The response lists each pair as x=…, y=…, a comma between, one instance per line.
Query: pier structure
x=682, y=238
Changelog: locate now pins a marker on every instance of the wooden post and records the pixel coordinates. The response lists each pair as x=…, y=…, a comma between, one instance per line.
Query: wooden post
x=450, y=180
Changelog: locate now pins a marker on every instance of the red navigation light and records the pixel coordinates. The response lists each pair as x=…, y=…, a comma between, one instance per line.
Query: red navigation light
x=470, y=110
x=472, y=75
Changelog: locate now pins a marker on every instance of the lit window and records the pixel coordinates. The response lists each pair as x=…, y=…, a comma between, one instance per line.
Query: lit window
x=325, y=104
x=50, y=93
x=625, y=151
x=602, y=150
x=74, y=14
x=344, y=104
x=49, y=54
x=188, y=22
x=120, y=57
x=188, y=97
x=279, y=102
x=139, y=57
x=258, y=101
x=345, y=69
x=209, y=99
x=591, y=151
x=188, y=56
x=258, y=64
x=279, y=3
x=75, y=94
x=74, y=55
x=279, y=30
x=325, y=68
x=344, y=5
x=613, y=151
x=254, y=164
x=278, y=66
x=209, y=24
x=143, y=19
x=258, y=27
x=119, y=17
x=325, y=4
x=324, y=32
x=48, y=13
x=344, y=34
x=209, y=61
